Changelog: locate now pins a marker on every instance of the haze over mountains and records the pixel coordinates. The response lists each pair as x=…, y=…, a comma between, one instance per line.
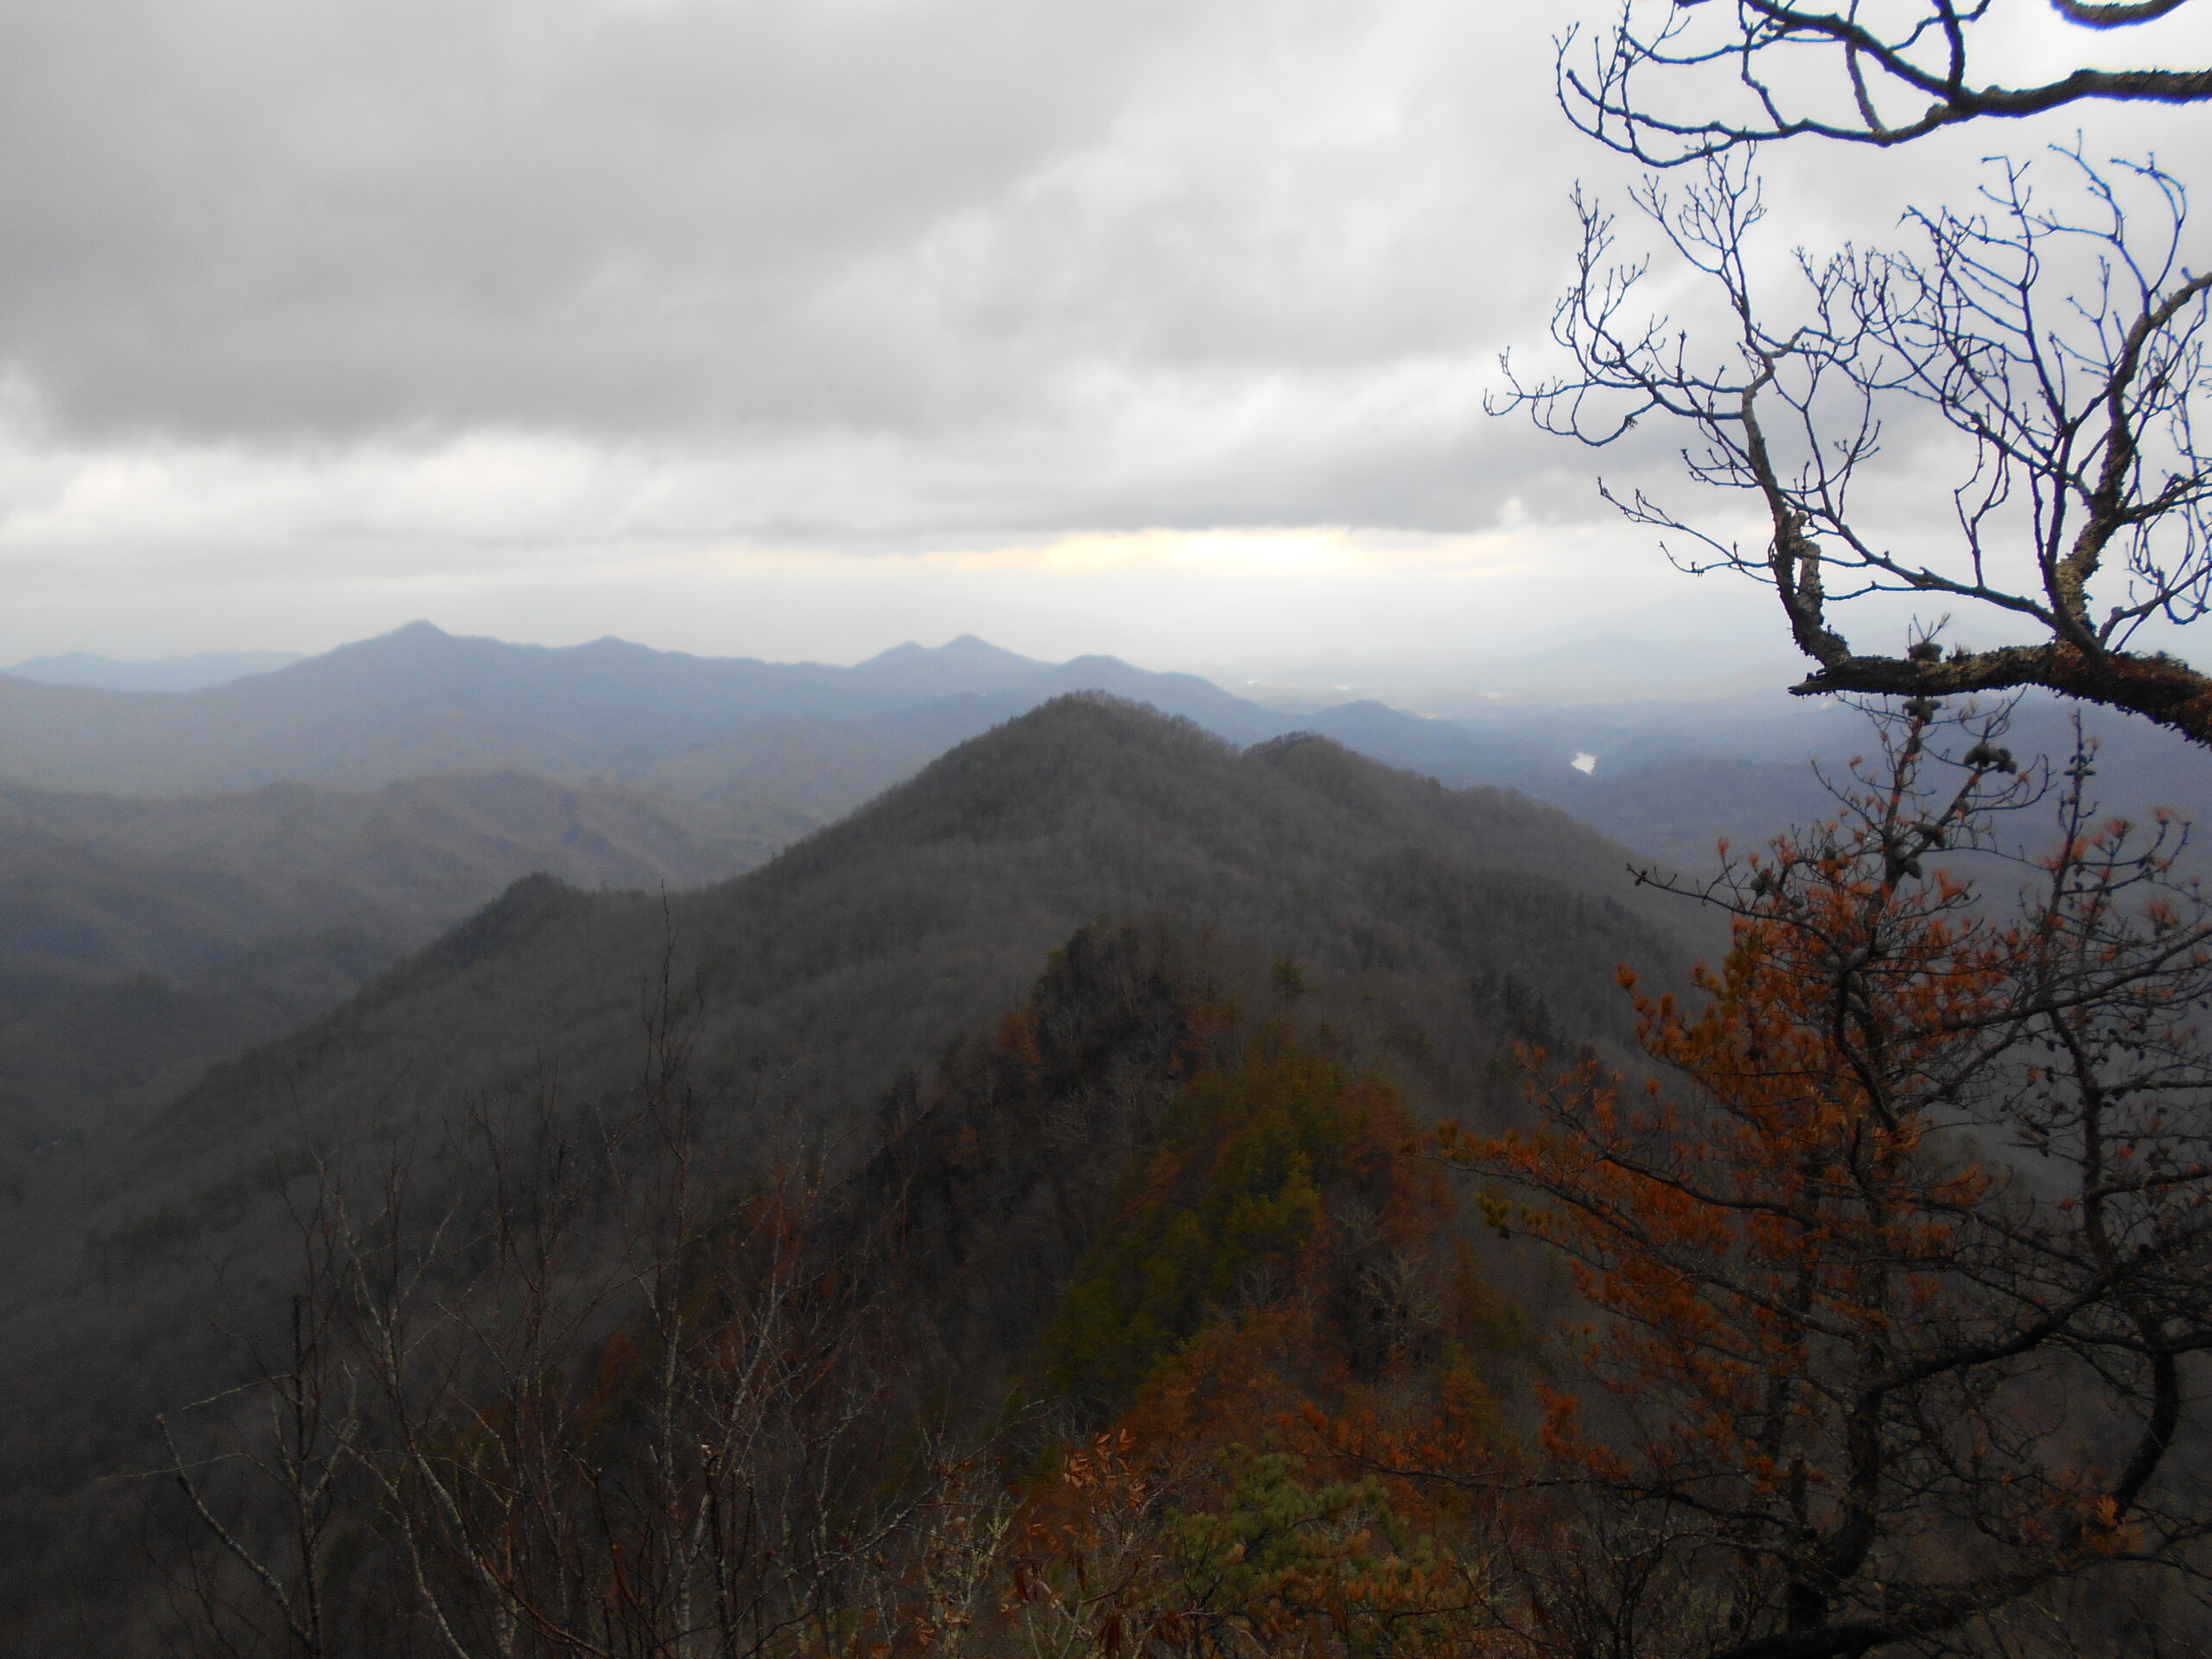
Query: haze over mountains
x=193, y=871
x=145, y=936
x=1670, y=773
x=183, y=673
x=202, y=869
x=419, y=701
x=227, y=860
x=350, y=899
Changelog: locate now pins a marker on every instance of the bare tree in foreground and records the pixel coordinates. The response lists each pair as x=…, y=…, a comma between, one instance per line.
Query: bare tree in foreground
x=1676, y=81
x=2050, y=358
x=2060, y=348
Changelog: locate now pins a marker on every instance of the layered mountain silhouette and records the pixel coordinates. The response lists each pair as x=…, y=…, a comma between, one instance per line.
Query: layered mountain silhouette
x=101, y=882
x=899, y=923
x=612, y=765
x=158, y=674
x=201, y=922
x=192, y=905
x=1424, y=928
x=245, y=921
x=144, y=936
x=815, y=740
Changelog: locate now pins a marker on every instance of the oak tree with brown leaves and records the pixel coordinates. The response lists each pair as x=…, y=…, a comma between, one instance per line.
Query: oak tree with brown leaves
x=1896, y=1267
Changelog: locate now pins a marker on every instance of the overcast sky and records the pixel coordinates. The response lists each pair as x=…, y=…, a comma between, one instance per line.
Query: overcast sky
x=796, y=327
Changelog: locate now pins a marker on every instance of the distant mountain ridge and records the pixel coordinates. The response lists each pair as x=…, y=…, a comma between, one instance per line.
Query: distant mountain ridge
x=203, y=869
x=420, y=854
x=818, y=740
x=419, y=701
x=814, y=738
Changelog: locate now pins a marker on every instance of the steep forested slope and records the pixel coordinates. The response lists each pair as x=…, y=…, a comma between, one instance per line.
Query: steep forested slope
x=102, y=883
x=138, y=936
x=1404, y=918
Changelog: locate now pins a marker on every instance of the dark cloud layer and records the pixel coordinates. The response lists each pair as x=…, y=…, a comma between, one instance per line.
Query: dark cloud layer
x=1203, y=261
x=852, y=273
x=315, y=215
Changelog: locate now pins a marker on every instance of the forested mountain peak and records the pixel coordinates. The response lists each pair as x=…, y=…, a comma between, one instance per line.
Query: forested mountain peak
x=1416, y=924
x=893, y=928
x=967, y=664
x=1095, y=758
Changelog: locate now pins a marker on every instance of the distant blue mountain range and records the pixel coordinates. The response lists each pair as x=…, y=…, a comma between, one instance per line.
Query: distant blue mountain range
x=1669, y=778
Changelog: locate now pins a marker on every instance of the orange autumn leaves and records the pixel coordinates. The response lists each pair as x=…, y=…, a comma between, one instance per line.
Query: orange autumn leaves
x=1884, y=1270
x=1279, y=1184
x=1782, y=1212
x=1279, y=1266
x=1885, y=1266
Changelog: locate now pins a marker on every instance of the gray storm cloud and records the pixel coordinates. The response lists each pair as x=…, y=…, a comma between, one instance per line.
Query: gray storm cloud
x=852, y=271
x=1210, y=261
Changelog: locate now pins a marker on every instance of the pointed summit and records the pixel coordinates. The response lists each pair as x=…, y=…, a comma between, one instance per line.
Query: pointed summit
x=966, y=663
x=416, y=635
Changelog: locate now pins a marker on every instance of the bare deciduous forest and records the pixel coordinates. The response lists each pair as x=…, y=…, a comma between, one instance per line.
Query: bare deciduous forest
x=1119, y=1191
x=1411, y=928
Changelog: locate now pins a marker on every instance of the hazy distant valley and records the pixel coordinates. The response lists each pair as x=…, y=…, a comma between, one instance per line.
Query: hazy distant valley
x=196, y=871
